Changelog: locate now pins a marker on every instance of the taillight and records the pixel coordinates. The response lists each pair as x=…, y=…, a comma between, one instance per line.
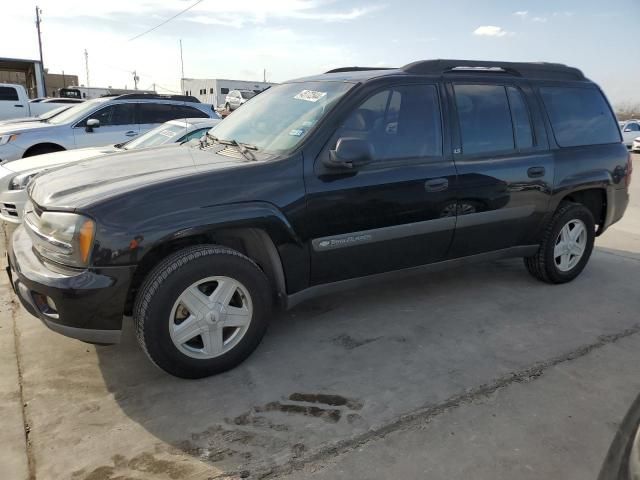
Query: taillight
x=629, y=170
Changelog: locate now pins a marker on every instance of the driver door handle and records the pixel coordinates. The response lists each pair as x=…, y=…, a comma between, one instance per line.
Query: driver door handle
x=436, y=185
x=131, y=133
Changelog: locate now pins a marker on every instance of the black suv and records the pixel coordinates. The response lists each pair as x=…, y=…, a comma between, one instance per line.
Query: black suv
x=315, y=185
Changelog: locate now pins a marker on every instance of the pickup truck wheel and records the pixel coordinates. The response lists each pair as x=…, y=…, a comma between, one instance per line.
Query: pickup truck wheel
x=202, y=311
x=566, y=245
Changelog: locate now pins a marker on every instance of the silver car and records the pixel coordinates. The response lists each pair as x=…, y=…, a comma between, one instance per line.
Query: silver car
x=630, y=131
x=15, y=176
x=102, y=121
x=236, y=98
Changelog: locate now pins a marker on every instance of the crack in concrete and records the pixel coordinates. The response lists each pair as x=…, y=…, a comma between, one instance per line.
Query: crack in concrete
x=31, y=464
x=428, y=412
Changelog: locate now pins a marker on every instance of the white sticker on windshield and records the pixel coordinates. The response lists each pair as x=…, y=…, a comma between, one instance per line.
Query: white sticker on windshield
x=310, y=95
x=298, y=132
x=167, y=133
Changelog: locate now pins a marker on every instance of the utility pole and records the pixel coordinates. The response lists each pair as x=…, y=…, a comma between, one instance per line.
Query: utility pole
x=38, y=12
x=182, y=70
x=264, y=75
x=136, y=78
x=86, y=65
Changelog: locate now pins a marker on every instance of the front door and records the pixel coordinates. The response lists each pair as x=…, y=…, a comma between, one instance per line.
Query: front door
x=117, y=125
x=505, y=169
x=396, y=211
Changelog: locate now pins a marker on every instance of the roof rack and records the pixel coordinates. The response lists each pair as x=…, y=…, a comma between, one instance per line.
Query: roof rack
x=520, y=69
x=357, y=69
x=158, y=96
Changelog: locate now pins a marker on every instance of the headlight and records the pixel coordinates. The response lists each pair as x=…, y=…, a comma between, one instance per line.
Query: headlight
x=8, y=138
x=20, y=182
x=65, y=238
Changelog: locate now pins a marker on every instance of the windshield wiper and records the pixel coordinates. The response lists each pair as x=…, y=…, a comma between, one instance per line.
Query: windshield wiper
x=244, y=148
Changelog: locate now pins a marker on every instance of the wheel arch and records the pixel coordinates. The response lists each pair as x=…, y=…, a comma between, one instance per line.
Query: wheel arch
x=595, y=199
x=55, y=146
x=253, y=242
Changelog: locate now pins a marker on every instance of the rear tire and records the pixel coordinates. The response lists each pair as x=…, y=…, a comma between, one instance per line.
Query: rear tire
x=197, y=276
x=560, y=258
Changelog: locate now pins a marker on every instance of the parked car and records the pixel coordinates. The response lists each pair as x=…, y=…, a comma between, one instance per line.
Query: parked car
x=100, y=121
x=362, y=175
x=237, y=98
x=630, y=131
x=15, y=103
x=15, y=176
x=40, y=118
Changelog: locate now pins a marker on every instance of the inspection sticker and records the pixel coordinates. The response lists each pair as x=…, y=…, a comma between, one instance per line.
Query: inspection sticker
x=310, y=95
x=298, y=132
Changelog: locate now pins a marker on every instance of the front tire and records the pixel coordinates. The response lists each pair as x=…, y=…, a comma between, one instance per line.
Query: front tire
x=202, y=311
x=566, y=245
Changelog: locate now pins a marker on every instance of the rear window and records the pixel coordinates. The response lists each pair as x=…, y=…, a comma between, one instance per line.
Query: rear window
x=580, y=116
x=8, y=94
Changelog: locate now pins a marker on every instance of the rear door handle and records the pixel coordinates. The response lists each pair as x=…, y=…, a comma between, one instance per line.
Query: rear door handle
x=536, y=172
x=436, y=185
x=131, y=133
x=21, y=106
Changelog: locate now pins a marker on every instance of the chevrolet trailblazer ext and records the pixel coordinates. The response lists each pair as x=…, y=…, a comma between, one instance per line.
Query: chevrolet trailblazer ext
x=318, y=184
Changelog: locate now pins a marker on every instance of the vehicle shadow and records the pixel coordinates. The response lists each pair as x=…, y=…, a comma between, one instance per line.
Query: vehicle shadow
x=337, y=366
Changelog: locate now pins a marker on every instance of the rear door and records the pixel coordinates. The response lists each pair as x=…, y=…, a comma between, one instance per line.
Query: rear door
x=395, y=212
x=117, y=125
x=10, y=104
x=505, y=169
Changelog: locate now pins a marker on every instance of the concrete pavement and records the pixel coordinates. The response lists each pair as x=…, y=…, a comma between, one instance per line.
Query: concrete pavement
x=398, y=380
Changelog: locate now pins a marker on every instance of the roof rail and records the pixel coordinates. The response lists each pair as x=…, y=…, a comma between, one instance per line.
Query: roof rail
x=357, y=69
x=157, y=96
x=521, y=69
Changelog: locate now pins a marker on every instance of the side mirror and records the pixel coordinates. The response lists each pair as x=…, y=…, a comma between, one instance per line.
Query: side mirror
x=626, y=130
x=350, y=153
x=91, y=124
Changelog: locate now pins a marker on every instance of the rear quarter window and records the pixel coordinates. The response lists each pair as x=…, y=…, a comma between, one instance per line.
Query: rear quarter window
x=8, y=94
x=579, y=116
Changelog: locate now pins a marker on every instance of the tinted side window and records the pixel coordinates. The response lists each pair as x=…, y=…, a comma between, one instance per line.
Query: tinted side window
x=632, y=127
x=521, y=118
x=156, y=113
x=183, y=111
x=121, y=114
x=8, y=94
x=402, y=122
x=579, y=116
x=485, y=118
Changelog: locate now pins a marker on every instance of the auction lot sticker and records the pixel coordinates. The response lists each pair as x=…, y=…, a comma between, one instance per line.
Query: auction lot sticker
x=310, y=95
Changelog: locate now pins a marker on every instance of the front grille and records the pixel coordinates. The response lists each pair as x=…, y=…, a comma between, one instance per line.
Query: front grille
x=9, y=209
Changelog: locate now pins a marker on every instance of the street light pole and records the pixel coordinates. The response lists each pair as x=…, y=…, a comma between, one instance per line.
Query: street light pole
x=38, y=12
x=182, y=70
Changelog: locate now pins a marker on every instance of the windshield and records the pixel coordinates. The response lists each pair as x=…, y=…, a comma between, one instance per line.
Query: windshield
x=77, y=112
x=166, y=133
x=277, y=120
x=248, y=95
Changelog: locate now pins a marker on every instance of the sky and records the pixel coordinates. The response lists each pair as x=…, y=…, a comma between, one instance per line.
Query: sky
x=294, y=38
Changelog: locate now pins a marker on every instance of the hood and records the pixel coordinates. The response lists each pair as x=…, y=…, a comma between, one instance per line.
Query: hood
x=20, y=120
x=24, y=127
x=49, y=160
x=87, y=182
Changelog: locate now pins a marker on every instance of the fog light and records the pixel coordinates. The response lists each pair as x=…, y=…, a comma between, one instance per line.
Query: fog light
x=45, y=304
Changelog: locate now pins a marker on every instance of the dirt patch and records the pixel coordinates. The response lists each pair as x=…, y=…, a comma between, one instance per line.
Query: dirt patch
x=349, y=343
x=333, y=400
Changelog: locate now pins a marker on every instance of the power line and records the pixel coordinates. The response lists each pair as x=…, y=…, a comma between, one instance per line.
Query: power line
x=166, y=21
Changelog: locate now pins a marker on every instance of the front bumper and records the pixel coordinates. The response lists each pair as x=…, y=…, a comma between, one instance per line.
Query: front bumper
x=89, y=304
x=10, y=152
x=12, y=205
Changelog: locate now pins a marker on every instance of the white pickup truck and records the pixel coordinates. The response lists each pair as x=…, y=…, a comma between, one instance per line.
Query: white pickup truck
x=14, y=103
